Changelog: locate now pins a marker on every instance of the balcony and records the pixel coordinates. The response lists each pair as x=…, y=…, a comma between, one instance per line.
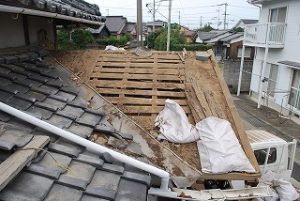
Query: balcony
x=270, y=35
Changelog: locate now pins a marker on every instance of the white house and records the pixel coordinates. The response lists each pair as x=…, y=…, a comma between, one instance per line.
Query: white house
x=276, y=68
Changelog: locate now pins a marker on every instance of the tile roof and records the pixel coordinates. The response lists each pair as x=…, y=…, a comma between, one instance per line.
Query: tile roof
x=72, y=8
x=115, y=24
x=62, y=170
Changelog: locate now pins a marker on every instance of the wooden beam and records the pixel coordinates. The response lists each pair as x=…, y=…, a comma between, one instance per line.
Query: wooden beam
x=26, y=31
x=18, y=160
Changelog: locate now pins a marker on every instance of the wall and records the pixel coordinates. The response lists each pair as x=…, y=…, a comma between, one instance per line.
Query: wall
x=289, y=52
x=231, y=72
x=36, y=26
x=12, y=33
x=12, y=30
x=232, y=51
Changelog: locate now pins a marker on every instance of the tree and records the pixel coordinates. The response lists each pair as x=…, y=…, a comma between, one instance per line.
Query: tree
x=160, y=42
x=238, y=29
x=206, y=28
x=81, y=38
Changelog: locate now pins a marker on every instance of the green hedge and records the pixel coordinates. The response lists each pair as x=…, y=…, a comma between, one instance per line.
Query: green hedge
x=190, y=47
x=113, y=40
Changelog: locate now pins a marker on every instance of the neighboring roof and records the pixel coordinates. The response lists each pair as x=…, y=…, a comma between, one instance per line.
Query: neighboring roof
x=249, y=21
x=245, y=22
x=99, y=30
x=259, y=137
x=62, y=170
x=71, y=8
x=115, y=24
x=157, y=23
x=231, y=37
x=130, y=26
x=292, y=64
x=206, y=35
x=219, y=36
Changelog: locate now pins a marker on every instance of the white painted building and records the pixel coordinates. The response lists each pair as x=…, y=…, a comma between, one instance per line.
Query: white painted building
x=276, y=67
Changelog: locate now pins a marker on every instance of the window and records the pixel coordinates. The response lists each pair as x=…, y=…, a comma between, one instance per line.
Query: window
x=247, y=52
x=261, y=155
x=294, y=99
x=272, y=79
x=278, y=14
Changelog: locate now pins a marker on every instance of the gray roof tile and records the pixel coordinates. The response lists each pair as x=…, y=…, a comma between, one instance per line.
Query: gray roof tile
x=91, y=198
x=24, y=188
x=19, y=103
x=68, y=96
x=44, y=89
x=132, y=176
x=55, y=102
x=126, y=188
x=14, y=137
x=47, y=106
x=51, y=165
x=71, y=112
x=113, y=168
x=45, y=114
x=89, y=119
x=67, y=148
x=40, y=131
x=82, y=131
x=60, y=121
x=59, y=192
x=97, y=162
x=78, y=175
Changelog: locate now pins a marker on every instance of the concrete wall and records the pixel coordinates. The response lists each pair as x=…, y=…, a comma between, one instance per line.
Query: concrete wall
x=231, y=73
x=289, y=52
x=12, y=32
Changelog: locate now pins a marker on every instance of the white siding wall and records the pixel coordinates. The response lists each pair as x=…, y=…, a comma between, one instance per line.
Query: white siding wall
x=291, y=50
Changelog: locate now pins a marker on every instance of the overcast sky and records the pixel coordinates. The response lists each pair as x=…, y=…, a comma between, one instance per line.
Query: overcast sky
x=190, y=11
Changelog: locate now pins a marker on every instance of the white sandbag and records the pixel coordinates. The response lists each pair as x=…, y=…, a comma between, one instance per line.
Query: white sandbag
x=113, y=48
x=174, y=125
x=285, y=190
x=220, y=150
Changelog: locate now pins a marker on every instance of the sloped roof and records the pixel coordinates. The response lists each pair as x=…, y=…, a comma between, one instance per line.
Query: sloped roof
x=249, y=21
x=71, y=8
x=98, y=30
x=130, y=26
x=62, y=170
x=231, y=37
x=115, y=24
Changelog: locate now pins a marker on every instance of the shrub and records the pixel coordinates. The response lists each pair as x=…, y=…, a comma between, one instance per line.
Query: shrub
x=161, y=40
x=113, y=40
x=80, y=38
x=190, y=47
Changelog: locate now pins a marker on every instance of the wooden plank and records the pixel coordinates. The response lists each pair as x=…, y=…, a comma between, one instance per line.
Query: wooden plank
x=145, y=101
x=148, y=109
x=237, y=123
x=137, y=85
x=137, y=76
x=144, y=65
x=141, y=92
x=140, y=71
x=18, y=160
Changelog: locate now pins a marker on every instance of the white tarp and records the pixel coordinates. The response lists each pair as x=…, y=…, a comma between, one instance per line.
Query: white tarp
x=219, y=149
x=174, y=125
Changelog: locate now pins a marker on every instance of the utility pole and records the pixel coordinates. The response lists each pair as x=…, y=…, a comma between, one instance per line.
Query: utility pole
x=153, y=15
x=218, y=24
x=179, y=17
x=225, y=15
x=107, y=10
x=139, y=23
x=169, y=26
x=201, y=22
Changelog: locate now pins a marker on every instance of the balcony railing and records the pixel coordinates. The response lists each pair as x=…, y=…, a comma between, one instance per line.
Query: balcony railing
x=263, y=34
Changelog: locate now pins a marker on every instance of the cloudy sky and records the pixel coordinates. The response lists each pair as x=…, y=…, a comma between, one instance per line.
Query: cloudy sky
x=190, y=11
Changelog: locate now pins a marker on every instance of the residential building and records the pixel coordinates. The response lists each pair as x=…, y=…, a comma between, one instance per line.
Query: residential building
x=100, y=32
x=276, y=38
x=116, y=24
x=30, y=27
x=242, y=23
x=130, y=29
x=158, y=24
x=189, y=34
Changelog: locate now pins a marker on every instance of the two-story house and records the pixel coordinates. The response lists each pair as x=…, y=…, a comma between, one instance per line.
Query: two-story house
x=276, y=67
